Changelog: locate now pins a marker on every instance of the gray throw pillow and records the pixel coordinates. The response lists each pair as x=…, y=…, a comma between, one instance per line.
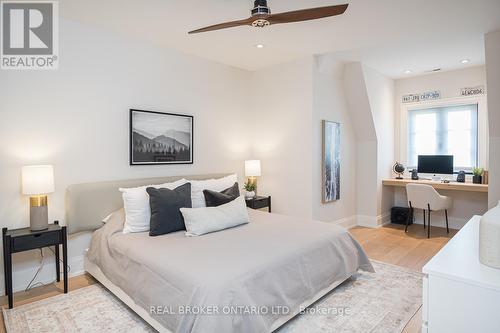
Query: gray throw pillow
x=165, y=205
x=214, y=198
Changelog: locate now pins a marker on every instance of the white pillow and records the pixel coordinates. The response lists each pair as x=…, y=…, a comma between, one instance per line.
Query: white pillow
x=197, y=187
x=200, y=221
x=136, y=205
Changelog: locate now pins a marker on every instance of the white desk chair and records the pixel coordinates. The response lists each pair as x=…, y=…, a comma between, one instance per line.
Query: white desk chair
x=426, y=197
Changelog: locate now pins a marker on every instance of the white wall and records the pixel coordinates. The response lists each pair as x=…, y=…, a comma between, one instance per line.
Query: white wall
x=492, y=42
x=366, y=143
x=76, y=118
x=370, y=96
x=289, y=103
x=381, y=97
x=330, y=104
x=281, y=118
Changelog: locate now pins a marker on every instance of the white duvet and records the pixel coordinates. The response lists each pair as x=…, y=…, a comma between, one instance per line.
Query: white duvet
x=250, y=278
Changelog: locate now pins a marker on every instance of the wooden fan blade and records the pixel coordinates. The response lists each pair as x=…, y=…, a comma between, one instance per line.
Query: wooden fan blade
x=307, y=14
x=225, y=25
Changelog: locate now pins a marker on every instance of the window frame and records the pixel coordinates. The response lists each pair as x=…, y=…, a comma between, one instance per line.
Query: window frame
x=482, y=125
x=441, y=122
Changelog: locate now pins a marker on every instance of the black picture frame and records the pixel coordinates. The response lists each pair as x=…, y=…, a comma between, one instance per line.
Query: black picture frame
x=174, y=152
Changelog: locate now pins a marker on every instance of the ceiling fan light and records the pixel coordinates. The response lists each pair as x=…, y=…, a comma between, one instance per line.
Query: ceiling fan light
x=260, y=23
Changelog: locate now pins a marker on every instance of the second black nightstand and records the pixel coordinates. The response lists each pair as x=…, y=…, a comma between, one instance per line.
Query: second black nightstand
x=259, y=202
x=19, y=240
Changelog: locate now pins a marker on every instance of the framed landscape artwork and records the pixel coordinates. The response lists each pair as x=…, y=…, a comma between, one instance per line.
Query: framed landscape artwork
x=160, y=138
x=331, y=162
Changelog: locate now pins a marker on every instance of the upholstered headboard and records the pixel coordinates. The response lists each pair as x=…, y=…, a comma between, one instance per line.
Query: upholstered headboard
x=87, y=204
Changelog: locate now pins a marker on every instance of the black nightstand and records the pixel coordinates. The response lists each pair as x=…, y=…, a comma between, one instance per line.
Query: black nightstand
x=19, y=240
x=259, y=202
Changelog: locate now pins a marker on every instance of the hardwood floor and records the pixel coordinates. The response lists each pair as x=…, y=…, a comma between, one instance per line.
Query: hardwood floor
x=412, y=250
x=390, y=244
x=387, y=244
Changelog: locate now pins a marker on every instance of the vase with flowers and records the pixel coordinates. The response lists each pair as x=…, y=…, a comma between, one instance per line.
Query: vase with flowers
x=250, y=188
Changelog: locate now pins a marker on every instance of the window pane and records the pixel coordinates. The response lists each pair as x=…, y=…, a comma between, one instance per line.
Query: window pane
x=459, y=138
x=423, y=136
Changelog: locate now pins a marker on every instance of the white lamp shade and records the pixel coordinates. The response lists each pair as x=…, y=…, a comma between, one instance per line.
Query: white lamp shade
x=38, y=179
x=252, y=168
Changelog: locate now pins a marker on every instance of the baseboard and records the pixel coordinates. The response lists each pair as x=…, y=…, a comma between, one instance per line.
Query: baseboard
x=384, y=219
x=346, y=222
x=363, y=221
x=373, y=221
x=22, y=277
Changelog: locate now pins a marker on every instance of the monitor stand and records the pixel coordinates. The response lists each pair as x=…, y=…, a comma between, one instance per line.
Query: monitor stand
x=436, y=178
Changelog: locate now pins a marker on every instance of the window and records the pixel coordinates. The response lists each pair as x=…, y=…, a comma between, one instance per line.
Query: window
x=450, y=130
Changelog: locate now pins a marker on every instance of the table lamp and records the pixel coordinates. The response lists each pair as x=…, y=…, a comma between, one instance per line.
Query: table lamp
x=252, y=171
x=37, y=182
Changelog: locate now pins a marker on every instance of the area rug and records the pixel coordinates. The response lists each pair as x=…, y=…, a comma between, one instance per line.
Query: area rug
x=383, y=301
x=368, y=302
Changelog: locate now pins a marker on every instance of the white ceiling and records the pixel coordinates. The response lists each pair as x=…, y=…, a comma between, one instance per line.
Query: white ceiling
x=388, y=35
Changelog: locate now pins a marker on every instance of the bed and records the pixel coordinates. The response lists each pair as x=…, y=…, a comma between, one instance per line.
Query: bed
x=251, y=278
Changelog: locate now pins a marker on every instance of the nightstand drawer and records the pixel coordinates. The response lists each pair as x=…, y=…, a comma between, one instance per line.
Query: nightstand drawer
x=35, y=241
x=260, y=203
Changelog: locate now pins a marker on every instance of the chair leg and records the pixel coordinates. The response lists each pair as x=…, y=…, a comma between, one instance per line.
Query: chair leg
x=410, y=216
x=423, y=211
x=446, y=215
x=429, y=221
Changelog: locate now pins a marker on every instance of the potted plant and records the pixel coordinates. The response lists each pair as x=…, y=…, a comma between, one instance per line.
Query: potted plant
x=250, y=188
x=477, y=177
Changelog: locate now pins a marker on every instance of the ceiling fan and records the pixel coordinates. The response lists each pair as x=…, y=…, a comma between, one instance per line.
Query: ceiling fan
x=262, y=17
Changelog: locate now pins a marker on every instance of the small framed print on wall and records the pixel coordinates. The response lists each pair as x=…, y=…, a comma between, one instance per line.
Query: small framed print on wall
x=160, y=138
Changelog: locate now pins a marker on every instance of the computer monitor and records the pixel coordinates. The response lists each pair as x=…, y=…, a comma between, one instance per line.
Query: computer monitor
x=435, y=164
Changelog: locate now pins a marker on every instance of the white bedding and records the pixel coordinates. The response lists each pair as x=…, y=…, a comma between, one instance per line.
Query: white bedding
x=273, y=264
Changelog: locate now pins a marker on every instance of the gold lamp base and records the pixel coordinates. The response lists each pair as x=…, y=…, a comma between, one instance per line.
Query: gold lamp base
x=253, y=181
x=39, y=217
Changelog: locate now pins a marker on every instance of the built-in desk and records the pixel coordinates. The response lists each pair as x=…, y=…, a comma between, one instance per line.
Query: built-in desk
x=454, y=186
x=468, y=199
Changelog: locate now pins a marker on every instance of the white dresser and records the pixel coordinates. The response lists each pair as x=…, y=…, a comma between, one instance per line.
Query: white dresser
x=461, y=294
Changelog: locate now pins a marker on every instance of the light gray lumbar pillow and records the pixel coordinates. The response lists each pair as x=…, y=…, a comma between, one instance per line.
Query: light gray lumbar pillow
x=200, y=221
